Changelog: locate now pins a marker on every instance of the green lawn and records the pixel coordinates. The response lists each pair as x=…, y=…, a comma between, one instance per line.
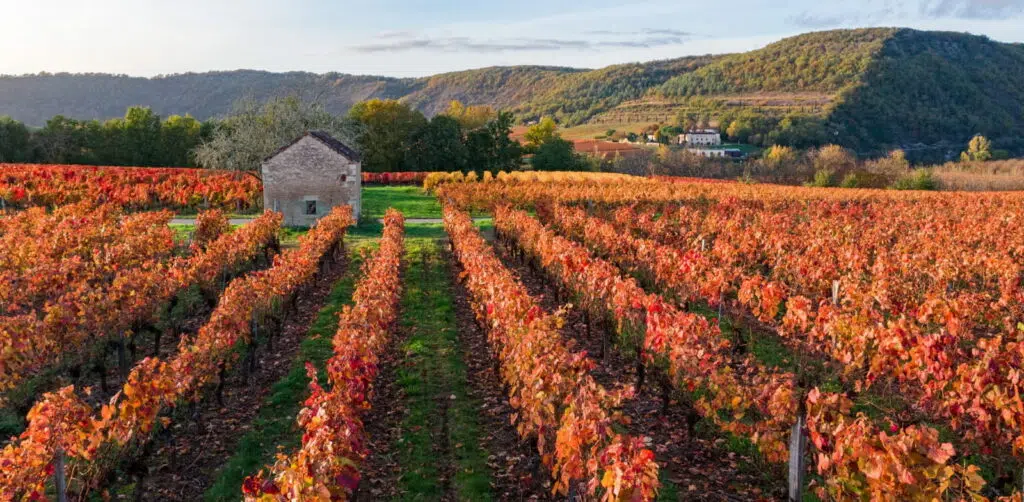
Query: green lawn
x=441, y=416
x=410, y=200
x=373, y=229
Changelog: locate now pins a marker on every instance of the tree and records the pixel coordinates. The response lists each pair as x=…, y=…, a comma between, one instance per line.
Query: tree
x=437, y=147
x=15, y=144
x=778, y=157
x=668, y=134
x=799, y=131
x=542, y=132
x=556, y=154
x=687, y=120
x=491, y=149
x=740, y=130
x=388, y=127
x=60, y=141
x=136, y=136
x=979, y=149
x=892, y=166
x=639, y=163
x=835, y=158
x=256, y=130
x=470, y=117
x=180, y=135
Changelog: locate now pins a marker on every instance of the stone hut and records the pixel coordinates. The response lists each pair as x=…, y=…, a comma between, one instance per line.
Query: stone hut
x=311, y=175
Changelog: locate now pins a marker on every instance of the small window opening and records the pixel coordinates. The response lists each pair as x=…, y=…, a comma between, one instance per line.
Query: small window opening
x=310, y=207
x=344, y=178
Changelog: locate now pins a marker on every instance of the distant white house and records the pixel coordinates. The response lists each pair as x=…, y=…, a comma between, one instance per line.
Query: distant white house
x=716, y=153
x=701, y=137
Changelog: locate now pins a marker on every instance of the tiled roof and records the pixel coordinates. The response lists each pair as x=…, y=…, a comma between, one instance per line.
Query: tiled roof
x=326, y=139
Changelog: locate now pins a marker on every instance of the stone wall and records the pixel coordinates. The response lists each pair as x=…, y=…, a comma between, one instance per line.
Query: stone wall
x=310, y=173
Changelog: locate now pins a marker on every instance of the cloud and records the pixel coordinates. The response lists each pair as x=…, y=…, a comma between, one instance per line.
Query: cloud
x=866, y=15
x=888, y=11
x=971, y=9
x=645, y=32
x=394, y=34
x=467, y=44
x=817, y=21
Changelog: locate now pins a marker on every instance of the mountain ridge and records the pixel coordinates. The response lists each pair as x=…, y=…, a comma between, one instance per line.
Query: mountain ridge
x=868, y=88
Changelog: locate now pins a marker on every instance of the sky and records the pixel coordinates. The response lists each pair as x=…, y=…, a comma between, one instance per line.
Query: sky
x=416, y=37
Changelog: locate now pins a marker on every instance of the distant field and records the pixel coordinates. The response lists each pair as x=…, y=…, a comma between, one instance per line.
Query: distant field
x=589, y=131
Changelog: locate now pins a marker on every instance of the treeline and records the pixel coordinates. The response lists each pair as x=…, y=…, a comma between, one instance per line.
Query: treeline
x=395, y=137
x=831, y=165
x=391, y=135
x=140, y=138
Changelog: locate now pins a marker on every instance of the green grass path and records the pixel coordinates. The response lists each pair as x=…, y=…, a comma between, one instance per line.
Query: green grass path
x=441, y=418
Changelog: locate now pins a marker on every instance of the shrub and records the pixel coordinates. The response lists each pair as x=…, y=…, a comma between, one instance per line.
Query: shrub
x=823, y=178
x=850, y=181
x=921, y=179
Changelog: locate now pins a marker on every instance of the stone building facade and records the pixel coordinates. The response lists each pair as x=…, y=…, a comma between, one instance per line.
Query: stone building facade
x=702, y=137
x=305, y=179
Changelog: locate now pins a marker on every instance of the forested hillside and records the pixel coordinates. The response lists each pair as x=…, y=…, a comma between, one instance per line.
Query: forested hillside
x=577, y=97
x=572, y=94
x=826, y=61
x=870, y=89
x=928, y=89
x=33, y=99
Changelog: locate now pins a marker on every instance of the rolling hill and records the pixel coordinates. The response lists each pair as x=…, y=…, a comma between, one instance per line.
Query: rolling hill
x=870, y=89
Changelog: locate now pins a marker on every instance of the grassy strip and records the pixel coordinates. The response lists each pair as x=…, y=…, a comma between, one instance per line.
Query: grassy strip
x=412, y=201
x=433, y=379
x=275, y=428
x=372, y=230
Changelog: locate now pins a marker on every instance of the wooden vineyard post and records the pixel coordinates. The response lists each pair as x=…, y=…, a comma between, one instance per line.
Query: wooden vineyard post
x=222, y=374
x=835, y=292
x=797, y=445
x=59, y=480
x=586, y=321
x=703, y=245
x=574, y=492
x=251, y=366
x=641, y=368
x=122, y=358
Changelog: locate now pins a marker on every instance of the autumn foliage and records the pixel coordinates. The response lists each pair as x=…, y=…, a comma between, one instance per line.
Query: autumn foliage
x=395, y=178
x=62, y=420
x=136, y=188
x=326, y=466
x=744, y=397
x=93, y=273
x=558, y=404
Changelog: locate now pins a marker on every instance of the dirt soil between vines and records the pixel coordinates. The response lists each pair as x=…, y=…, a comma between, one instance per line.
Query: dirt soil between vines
x=517, y=468
x=697, y=468
x=186, y=460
